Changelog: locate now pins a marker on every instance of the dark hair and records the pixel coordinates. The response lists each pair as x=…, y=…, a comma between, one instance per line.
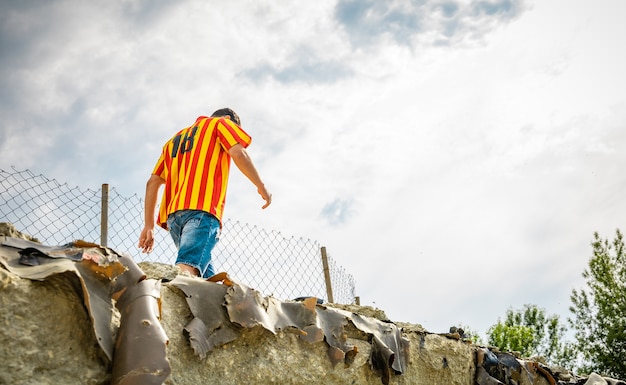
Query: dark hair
x=227, y=112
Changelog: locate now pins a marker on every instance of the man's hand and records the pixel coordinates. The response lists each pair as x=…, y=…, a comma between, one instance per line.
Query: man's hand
x=265, y=195
x=146, y=240
x=245, y=165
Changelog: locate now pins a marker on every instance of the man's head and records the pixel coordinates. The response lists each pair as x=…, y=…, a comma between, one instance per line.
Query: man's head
x=227, y=112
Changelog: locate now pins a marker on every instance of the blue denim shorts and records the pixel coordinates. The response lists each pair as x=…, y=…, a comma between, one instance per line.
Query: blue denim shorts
x=195, y=234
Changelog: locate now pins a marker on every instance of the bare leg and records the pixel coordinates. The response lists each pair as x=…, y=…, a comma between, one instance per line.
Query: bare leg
x=189, y=269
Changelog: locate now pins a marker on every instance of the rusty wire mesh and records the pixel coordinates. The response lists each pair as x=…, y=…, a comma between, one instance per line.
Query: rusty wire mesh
x=283, y=266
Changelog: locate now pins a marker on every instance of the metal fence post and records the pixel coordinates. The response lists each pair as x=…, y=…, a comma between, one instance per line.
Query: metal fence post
x=104, y=215
x=329, y=289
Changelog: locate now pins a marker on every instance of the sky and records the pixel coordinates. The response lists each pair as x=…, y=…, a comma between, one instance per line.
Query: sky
x=454, y=156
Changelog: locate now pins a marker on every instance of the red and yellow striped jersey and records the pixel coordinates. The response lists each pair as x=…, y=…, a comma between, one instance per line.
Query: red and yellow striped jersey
x=195, y=164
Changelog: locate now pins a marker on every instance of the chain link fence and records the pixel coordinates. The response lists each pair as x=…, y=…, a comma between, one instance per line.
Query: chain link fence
x=54, y=213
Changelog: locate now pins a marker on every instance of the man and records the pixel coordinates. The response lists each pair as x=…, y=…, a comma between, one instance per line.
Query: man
x=194, y=167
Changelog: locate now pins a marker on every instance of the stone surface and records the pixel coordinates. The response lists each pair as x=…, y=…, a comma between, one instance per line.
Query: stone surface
x=47, y=337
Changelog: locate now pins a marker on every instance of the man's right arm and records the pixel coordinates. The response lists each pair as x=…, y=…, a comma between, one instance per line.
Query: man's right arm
x=146, y=238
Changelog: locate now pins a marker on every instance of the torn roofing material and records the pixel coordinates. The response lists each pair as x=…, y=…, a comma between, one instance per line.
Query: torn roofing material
x=221, y=312
x=494, y=367
x=94, y=292
x=138, y=353
x=140, y=346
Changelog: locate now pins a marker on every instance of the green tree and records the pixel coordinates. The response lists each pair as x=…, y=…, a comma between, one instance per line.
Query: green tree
x=600, y=310
x=532, y=333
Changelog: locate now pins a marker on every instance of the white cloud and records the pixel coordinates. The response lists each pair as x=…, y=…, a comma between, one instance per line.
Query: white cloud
x=452, y=158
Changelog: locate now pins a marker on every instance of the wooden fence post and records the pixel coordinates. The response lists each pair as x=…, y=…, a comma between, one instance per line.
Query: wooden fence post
x=104, y=215
x=329, y=289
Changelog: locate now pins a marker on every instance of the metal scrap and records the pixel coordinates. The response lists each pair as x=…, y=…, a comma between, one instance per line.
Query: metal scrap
x=140, y=347
x=210, y=326
x=495, y=368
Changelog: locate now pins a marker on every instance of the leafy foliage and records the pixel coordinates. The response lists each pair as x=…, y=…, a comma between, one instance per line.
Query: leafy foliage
x=600, y=310
x=512, y=338
x=532, y=333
